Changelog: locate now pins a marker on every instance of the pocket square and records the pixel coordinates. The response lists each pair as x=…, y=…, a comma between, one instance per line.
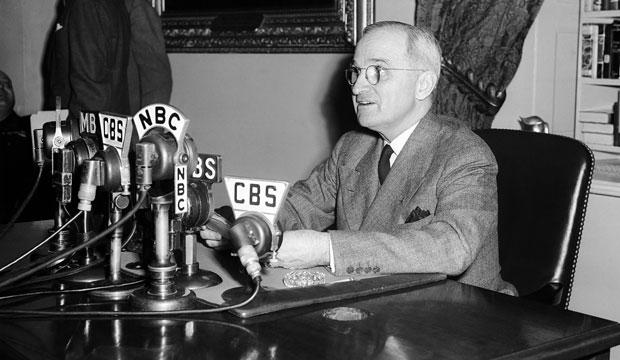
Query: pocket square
x=417, y=214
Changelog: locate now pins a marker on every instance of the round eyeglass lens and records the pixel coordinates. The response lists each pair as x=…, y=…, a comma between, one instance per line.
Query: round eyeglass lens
x=351, y=75
x=372, y=74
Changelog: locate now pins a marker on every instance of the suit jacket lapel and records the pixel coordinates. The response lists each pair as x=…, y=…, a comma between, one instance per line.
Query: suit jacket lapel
x=362, y=188
x=405, y=176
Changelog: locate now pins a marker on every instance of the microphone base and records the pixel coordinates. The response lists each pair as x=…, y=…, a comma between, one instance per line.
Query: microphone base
x=197, y=280
x=121, y=292
x=92, y=276
x=182, y=299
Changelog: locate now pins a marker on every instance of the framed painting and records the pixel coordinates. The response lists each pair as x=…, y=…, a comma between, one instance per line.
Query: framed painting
x=264, y=26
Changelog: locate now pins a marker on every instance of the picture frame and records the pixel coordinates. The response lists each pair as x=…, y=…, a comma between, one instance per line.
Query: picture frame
x=302, y=26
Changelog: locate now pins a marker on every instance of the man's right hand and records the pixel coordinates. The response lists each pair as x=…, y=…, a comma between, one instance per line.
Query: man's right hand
x=215, y=232
x=212, y=238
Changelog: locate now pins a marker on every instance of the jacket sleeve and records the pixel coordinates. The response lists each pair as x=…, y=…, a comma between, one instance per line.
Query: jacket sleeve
x=311, y=203
x=150, y=75
x=98, y=34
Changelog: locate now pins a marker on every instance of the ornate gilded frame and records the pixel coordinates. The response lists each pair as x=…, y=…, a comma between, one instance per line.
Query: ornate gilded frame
x=315, y=31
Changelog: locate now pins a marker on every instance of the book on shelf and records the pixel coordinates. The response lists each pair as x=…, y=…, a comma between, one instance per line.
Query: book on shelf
x=589, y=45
x=594, y=116
x=615, y=121
x=597, y=5
x=607, y=169
x=600, y=50
x=602, y=133
x=613, y=43
x=607, y=51
x=601, y=126
x=598, y=138
x=600, y=53
x=598, y=128
x=600, y=5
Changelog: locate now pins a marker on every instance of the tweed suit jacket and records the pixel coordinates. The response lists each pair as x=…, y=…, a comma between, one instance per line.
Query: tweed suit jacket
x=435, y=212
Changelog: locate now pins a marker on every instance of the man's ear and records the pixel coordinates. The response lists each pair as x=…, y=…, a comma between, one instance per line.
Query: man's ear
x=425, y=85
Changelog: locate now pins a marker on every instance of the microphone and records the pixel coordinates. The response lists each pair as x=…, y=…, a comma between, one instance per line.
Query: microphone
x=253, y=236
x=92, y=177
x=39, y=148
x=243, y=239
x=163, y=152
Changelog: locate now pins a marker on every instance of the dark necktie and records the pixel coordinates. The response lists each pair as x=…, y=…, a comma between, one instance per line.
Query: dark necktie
x=384, y=163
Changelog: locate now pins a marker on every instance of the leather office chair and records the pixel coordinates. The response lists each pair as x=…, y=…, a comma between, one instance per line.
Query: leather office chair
x=543, y=187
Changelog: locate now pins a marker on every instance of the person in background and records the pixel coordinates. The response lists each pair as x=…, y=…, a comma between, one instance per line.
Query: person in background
x=9, y=120
x=16, y=162
x=107, y=55
x=88, y=58
x=413, y=192
x=148, y=72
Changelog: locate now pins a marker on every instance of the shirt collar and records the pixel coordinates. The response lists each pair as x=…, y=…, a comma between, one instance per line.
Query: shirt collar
x=399, y=143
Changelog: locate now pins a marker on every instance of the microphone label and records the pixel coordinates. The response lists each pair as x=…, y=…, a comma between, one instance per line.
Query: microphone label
x=161, y=116
x=180, y=189
x=89, y=123
x=113, y=130
x=209, y=168
x=256, y=195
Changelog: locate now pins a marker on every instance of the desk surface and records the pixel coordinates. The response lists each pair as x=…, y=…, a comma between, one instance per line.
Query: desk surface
x=445, y=320
x=441, y=320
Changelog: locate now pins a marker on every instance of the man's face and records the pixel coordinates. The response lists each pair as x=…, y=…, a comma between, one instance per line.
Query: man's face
x=388, y=107
x=7, y=97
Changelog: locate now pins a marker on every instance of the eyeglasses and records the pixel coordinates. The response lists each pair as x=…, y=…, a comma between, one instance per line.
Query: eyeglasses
x=373, y=73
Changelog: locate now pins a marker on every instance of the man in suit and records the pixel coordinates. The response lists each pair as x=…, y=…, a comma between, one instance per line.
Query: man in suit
x=435, y=210
x=86, y=65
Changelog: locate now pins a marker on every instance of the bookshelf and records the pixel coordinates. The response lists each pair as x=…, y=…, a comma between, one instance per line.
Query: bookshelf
x=598, y=89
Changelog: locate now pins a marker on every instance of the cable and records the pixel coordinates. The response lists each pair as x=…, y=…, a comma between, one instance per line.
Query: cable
x=12, y=221
x=75, y=226
x=57, y=275
x=90, y=242
x=132, y=232
x=70, y=272
x=73, y=271
x=8, y=312
x=42, y=242
x=70, y=291
x=64, y=273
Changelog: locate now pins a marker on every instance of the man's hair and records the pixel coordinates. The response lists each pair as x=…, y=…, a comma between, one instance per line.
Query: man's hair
x=422, y=46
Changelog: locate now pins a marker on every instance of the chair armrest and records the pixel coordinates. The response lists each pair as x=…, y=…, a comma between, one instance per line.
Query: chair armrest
x=550, y=294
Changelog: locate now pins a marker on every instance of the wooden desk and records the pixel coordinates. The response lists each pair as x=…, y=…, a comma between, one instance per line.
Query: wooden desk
x=446, y=320
x=443, y=320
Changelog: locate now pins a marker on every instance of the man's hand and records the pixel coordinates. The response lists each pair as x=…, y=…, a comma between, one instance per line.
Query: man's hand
x=218, y=224
x=214, y=239
x=302, y=249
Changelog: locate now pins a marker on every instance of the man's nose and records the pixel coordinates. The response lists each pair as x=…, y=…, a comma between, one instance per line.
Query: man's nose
x=361, y=83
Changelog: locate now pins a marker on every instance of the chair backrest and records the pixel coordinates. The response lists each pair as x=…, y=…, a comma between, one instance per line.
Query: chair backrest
x=543, y=187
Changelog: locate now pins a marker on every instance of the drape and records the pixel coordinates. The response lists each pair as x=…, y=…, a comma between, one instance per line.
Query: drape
x=482, y=40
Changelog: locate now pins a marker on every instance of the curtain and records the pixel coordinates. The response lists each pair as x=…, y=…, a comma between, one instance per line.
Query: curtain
x=482, y=41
